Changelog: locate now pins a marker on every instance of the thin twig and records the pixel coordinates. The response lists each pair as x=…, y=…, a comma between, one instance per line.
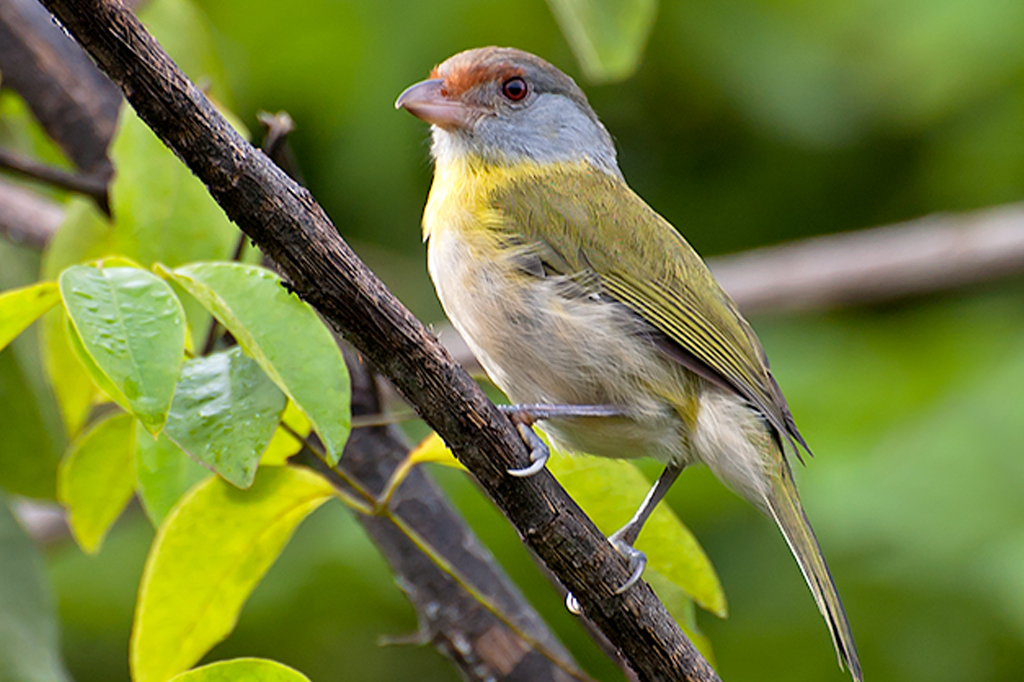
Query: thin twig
x=90, y=186
x=369, y=505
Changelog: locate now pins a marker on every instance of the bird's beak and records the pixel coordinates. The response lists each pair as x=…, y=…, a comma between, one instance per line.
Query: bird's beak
x=425, y=101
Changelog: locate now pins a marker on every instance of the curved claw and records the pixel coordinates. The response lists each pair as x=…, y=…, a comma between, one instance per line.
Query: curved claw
x=637, y=562
x=531, y=470
x=572, y=605
x=539, y=452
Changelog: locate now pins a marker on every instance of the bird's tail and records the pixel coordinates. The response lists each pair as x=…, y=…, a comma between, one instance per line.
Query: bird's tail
x=784, y=506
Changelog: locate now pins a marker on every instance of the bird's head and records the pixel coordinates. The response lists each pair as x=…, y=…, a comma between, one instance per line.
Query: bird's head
x=506, y=106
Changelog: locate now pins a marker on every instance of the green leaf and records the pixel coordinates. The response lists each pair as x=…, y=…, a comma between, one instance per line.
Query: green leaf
x=210, y=553
x=607, y=36
x=610, y=491
x=132, y=327
x=96, y=480
x=21, y=307
x=29, y=650
x=163, y=473
x=243, y=670
x=224, y=414
x=163, y=213
x=284, y=336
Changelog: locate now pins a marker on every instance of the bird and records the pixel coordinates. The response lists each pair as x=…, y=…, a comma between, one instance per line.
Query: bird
x=589, y=310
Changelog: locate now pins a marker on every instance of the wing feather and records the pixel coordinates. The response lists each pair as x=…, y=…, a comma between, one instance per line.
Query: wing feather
x=583, y=223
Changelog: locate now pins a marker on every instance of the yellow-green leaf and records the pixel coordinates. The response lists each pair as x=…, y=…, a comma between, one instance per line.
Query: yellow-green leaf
x=21, y=307
x=210, y=553
x=609, y=491
x=284, y=444
x=243, y=670
x=433, y=449
x=72, y=385
x=96, y=479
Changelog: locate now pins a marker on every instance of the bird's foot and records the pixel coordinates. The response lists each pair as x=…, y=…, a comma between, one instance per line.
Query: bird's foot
x=524, y=417
x=637, y=563
x=539, y=452
x=637, y=560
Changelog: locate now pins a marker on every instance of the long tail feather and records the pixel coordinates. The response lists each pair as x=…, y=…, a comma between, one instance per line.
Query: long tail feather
x=784, y=506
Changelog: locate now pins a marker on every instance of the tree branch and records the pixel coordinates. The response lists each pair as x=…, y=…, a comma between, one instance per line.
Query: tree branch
x=934, y=253
x=292, y=229
x=89, y=185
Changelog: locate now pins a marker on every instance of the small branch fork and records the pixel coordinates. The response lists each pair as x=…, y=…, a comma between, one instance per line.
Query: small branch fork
x=285, y=221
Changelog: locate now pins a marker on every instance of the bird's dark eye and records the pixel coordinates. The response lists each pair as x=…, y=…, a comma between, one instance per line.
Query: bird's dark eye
x=514, y=88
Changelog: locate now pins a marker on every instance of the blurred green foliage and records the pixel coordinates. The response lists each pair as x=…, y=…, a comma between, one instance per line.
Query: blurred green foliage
x=747, y=122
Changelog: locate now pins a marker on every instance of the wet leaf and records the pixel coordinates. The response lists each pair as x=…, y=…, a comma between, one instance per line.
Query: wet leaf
x=224, y=414
x=132, y=327
x=284, y=336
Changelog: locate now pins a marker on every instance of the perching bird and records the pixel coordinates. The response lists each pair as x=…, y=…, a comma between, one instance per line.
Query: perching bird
x=578, y=299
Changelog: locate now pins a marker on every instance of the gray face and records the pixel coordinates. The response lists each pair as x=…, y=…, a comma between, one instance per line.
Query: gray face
x=551, y=122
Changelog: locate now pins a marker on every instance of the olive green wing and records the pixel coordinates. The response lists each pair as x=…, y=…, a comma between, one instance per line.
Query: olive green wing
x=585, y=224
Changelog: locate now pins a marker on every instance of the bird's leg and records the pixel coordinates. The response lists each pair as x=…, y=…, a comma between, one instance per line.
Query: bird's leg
x=623, y=538
x=524, y=416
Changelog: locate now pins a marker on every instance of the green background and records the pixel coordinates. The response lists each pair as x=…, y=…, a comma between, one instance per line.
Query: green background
x=747, y=123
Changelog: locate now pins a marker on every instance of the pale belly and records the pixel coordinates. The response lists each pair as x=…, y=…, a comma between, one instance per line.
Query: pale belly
x=539, y=345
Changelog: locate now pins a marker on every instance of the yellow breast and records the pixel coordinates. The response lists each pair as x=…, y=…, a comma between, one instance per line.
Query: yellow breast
x=462, y=188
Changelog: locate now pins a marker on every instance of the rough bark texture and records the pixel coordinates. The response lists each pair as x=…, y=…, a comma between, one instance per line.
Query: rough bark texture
x=285, y=221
